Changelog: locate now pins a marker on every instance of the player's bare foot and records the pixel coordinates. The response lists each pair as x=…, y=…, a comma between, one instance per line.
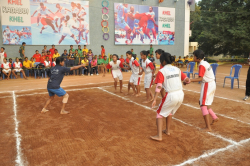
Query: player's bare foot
x=121, y=91
x=206, y=129
x=156, y=138
x=139, y=94
x=166, y=132
x=134, y=94
x=214, y=121
x=26, y=78
x=44, y=110
x=64, y=112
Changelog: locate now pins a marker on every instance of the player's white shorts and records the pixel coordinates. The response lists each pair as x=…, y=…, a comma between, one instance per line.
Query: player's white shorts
x=18, y=70
x=207, y=93
x=148, y=81
x=66, y=32
x=6, y=70
x=170, y=103
x=117, y=74
x=135, y=79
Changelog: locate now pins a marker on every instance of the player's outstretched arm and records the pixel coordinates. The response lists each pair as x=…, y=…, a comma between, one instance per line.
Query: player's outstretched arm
x=77, y=67
x=196, y=79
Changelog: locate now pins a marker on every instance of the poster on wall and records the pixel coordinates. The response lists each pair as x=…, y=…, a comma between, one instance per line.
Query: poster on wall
x=45, y=22
x=143, y=25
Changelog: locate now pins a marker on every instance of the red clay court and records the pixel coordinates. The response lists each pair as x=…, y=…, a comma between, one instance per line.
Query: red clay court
x=107, y=128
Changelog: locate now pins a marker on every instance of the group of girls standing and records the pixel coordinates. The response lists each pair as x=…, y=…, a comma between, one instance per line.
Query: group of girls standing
x=168, y=82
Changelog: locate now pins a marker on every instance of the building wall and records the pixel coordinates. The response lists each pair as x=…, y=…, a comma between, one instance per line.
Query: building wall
x=96, y=33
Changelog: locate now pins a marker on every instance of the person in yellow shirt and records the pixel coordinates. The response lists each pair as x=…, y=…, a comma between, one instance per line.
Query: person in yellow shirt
x=27, y=66
x=191, y=59
x=85, y=49
x=180, y=61
x=86, y=63
x=56, y=54
x=32, y=62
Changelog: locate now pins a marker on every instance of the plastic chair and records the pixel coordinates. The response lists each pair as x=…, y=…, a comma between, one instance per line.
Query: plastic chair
x=191, y=65
x=214, y=67
x=237, y=69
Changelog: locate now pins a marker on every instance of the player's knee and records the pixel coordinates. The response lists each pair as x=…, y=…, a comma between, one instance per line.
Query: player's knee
x=65, y=98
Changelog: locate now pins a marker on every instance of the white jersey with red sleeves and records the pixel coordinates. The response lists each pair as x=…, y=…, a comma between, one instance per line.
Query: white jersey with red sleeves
x=147, y=66
x=2, y=56
x=206, y=71
x=6, y=65
x=115, y=66
x=17, y=65
x=134, y=65
x=170, y=77
x=53, y=64
x=47, y=63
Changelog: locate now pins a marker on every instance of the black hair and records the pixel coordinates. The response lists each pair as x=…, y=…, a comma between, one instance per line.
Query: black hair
x=10, y=58
x=56, y=50
x=129, y=52
x=116, y=56
x=53, y=45
x=3, y=48
x=44, y=46
x=84, y=45
x=5, y=59
x=102, y=46
x=167, y=58
x=132, y=49
x=26, y=58
x=59, y=60
x=23, y=43
x=134, y=56
x=159, y=51
x=199, y=54
x=144, y=52
x=71, y=45
x=48, y=51
x=65, y=50
x=79, y=45
x=36, y=50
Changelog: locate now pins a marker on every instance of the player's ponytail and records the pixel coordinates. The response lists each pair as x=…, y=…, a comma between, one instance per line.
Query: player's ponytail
x=134, y=56
x=159, y=51
x=167, y=58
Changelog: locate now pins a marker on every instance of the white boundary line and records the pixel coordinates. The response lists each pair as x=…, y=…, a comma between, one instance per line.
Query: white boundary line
x=238, y=101
x=215, y=135
x=19, y=160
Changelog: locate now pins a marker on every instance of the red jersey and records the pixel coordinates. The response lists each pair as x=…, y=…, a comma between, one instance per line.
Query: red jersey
x=103, y=53
x=122, y=60
x=52, y=51
x=127, y=60
x=43, y=58
x=37, y=57
x=50, y=57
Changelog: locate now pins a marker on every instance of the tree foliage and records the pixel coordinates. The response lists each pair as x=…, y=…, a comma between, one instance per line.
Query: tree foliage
x=222, y=26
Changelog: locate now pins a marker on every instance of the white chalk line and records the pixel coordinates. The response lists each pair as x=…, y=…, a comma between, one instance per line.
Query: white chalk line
x=65, y=90
x=238, y=101
x=19, y=160
x=190, y=161
x=215, y=135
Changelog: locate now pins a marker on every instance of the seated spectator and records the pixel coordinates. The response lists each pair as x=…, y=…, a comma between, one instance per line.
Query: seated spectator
x=180, y=61
x=84, y=54
x=17, y=68
x=71, y=61
x=85, y=49
x=40, y=70
x=56, y=54
x=27, y=65
x=37, y=56
x=175, y=61
x=79, y=50
x=86, y=63
x=94, y=66
x=105, y=63
x=6, y=68
x=32, y=65
x=65, y=56
x=152, y=59
x=11, y=62
x=191, y=59
x=186, y=60
x=77, y=61
x=43, y=57
x=53, y=64
x=47, y=66
x=90, y=56
x=50, y=56
x=100, y=64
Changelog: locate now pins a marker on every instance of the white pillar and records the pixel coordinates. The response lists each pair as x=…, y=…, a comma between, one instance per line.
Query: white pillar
x=186, y=30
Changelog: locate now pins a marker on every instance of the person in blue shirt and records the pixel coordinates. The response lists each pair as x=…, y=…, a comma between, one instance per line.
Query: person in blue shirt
x=56, y=76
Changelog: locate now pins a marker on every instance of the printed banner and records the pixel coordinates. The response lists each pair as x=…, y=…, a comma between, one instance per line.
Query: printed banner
x=45, y=22
x=143, y=25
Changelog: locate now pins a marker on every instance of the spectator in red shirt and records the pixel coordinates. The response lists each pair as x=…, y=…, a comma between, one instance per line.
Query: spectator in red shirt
x=50, y=56
x=52, y=50
x=37, y=56
x=43, y=57
x=103, y=51
x=122, y=59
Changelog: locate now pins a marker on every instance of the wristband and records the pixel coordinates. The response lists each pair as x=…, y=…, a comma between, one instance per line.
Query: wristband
x=106, y=9
x=106, y=22
x=105, y=1
x=104, y=15
x=157, y=90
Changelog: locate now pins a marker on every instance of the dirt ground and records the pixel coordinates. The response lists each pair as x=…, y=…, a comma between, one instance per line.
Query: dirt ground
x=108, y=128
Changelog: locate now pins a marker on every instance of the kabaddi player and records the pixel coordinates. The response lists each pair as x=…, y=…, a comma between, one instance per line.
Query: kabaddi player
x=6, y=68
x=41, y=10
x=56, y=76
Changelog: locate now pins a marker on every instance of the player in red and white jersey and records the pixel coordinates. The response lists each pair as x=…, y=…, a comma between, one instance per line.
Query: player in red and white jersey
x=170, y=79
x=6, y=68
x=53, y=64
x=158, y=54
x=115, y=67
x=47, y=65
x=18, y=68
x=3, y=55
x=149, y=70
x=208, y=87
x=41, y=11
x=135, y=79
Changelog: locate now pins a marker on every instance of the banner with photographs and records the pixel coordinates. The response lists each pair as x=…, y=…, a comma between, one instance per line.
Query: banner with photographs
x=45, y=22
x=143, y=25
